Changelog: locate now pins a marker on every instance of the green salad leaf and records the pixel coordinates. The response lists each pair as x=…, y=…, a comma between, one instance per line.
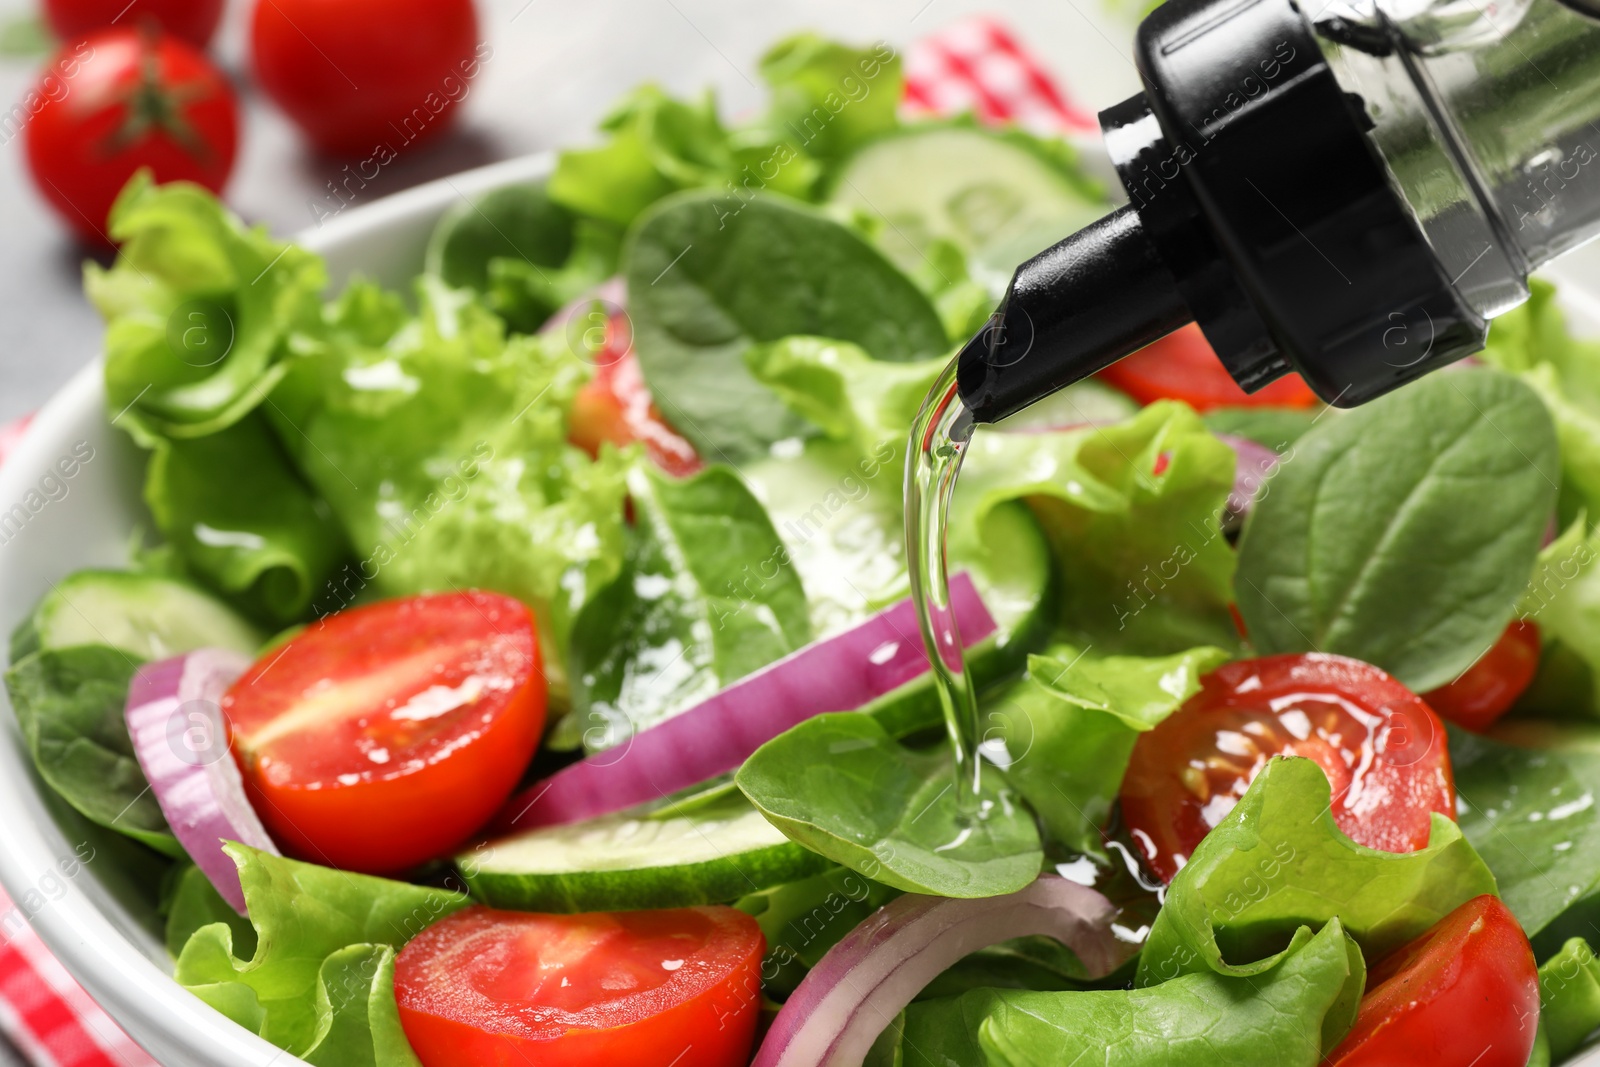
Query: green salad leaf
x=802, y=920
x=1278, y=862
x=706, y=596
x=841, y=786
x=320, y=984
x=1038, y=963
x=1144, y=565
x=200, y=311
x=1456, y=475
x=1275, y=428
x=829, y=98
x=709, y=276
x=1292, y=1010
x=1139, y=691
x=192, y=902
x=69, y=707
x=1531, y=815
x=1569, y=997
x=243, y=521
x=1563, y=597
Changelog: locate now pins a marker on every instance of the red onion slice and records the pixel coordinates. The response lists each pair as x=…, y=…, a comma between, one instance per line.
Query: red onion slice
x=1254, y=461
x=839, y=673
x=181, y=741
x=840, y=1008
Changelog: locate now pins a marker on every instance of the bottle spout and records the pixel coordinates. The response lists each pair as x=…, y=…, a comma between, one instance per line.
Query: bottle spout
x=1072, y=310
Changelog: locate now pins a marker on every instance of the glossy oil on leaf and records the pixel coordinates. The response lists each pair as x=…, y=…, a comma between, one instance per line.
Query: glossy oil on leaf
x=1403, y=533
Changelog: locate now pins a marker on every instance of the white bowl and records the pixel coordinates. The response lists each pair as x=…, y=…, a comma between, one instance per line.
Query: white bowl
x=94, y=925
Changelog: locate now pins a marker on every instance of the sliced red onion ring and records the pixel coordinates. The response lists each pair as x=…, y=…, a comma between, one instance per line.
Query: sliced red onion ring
x=1254, y=461
x=839, y=673
x=864, y=981
x=181, y=742
x=613, y=293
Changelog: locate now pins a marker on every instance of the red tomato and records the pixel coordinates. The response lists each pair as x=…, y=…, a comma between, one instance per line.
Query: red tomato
x=367, y=77
x=385, y=735
x=1182, y=366
x=1464, y=994
x=1491, y=685
x=192, y=20
x=1381, y=747
x=119, y=101
x=615, y=405
x=677, y=988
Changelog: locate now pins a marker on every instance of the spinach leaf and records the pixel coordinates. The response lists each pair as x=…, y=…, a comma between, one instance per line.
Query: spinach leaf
x=710, y=275
x=707, y=595
x=1569, y=998
x=243, y=521
x=841, y=786
x=1531, y=815
x=69, y=707
x=320, y=984
x=1039, y=964
x=1276, y=428
x=1290, y=1012
x=1064, y=733
x=1144, y=566
x=1402, y=533
x=1278, y=862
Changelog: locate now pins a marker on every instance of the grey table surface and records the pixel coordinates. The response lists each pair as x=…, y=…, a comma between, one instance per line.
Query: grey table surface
x=555, y=69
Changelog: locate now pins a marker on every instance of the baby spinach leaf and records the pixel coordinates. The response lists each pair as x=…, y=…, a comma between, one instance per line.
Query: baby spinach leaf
x=1064, y=733
x=1276, y=428
x=69, y=708
x=1144, y=566
x=1531, y=815
x=1569, y=997
x=709, y=275
x=1278, y=862
x=1402, y=533
x=243, y=521
x=841, y=786
x=1290, y=1012
x=320, y=984
x=707, y=595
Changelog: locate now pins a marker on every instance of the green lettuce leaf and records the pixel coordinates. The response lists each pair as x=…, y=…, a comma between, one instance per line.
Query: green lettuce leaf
x=829, y=98
x=69, y=704
x=192, y=902
x=803, y=920
x=442, y=452
x=841, y=786
x=1064, y=733
x=707, y=595
x=1456, y=475
x=708, y=277
x=1292, y=1009
x=200, y=311
x=320, y=984
x=242, y=520
x=1569, y=998
x=1278, y=862
x=1531, y=815
x=1563, y=597
x=1144, y=566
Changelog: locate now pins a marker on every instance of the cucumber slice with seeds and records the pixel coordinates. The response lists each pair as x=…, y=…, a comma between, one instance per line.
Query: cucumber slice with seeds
x=147, y=616
x=712, y=853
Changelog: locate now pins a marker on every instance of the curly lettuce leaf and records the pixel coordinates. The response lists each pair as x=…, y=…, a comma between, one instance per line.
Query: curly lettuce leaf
x=1569, y=998
x=1296, y=1006
x=320, y=984
x=1278, y=862
x=200, y=311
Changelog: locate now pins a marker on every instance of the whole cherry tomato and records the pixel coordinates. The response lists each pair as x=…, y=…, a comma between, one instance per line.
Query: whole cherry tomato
x=120, y=101
x=367, y=77
x=1490, y=686
x=616, y=406
x=193, y=20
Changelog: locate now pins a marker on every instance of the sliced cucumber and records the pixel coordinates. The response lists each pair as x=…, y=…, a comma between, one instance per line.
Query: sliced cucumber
x=988, y=194
x=710, y=854
x=146, y=616
x=841, y=522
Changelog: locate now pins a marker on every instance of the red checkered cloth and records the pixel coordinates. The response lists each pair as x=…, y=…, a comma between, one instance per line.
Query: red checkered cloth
x=973, y=65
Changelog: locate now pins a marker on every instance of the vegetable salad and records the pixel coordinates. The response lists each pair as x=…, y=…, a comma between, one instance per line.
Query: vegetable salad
x=522, y=667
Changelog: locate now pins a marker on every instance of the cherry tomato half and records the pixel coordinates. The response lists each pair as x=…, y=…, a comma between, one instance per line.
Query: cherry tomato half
x=359, y=76
x=1381, y=747
x=1491, y=685
x=1464, y=994
x=615, y=405
x=120, y=101
x=192, y=20
x=385, y=735
x=679, y=988
x=1182, y=366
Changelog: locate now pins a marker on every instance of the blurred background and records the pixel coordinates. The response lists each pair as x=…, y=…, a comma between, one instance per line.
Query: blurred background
x=550, y=71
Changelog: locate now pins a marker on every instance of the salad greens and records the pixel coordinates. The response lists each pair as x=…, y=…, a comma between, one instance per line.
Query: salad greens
x=791, y=300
